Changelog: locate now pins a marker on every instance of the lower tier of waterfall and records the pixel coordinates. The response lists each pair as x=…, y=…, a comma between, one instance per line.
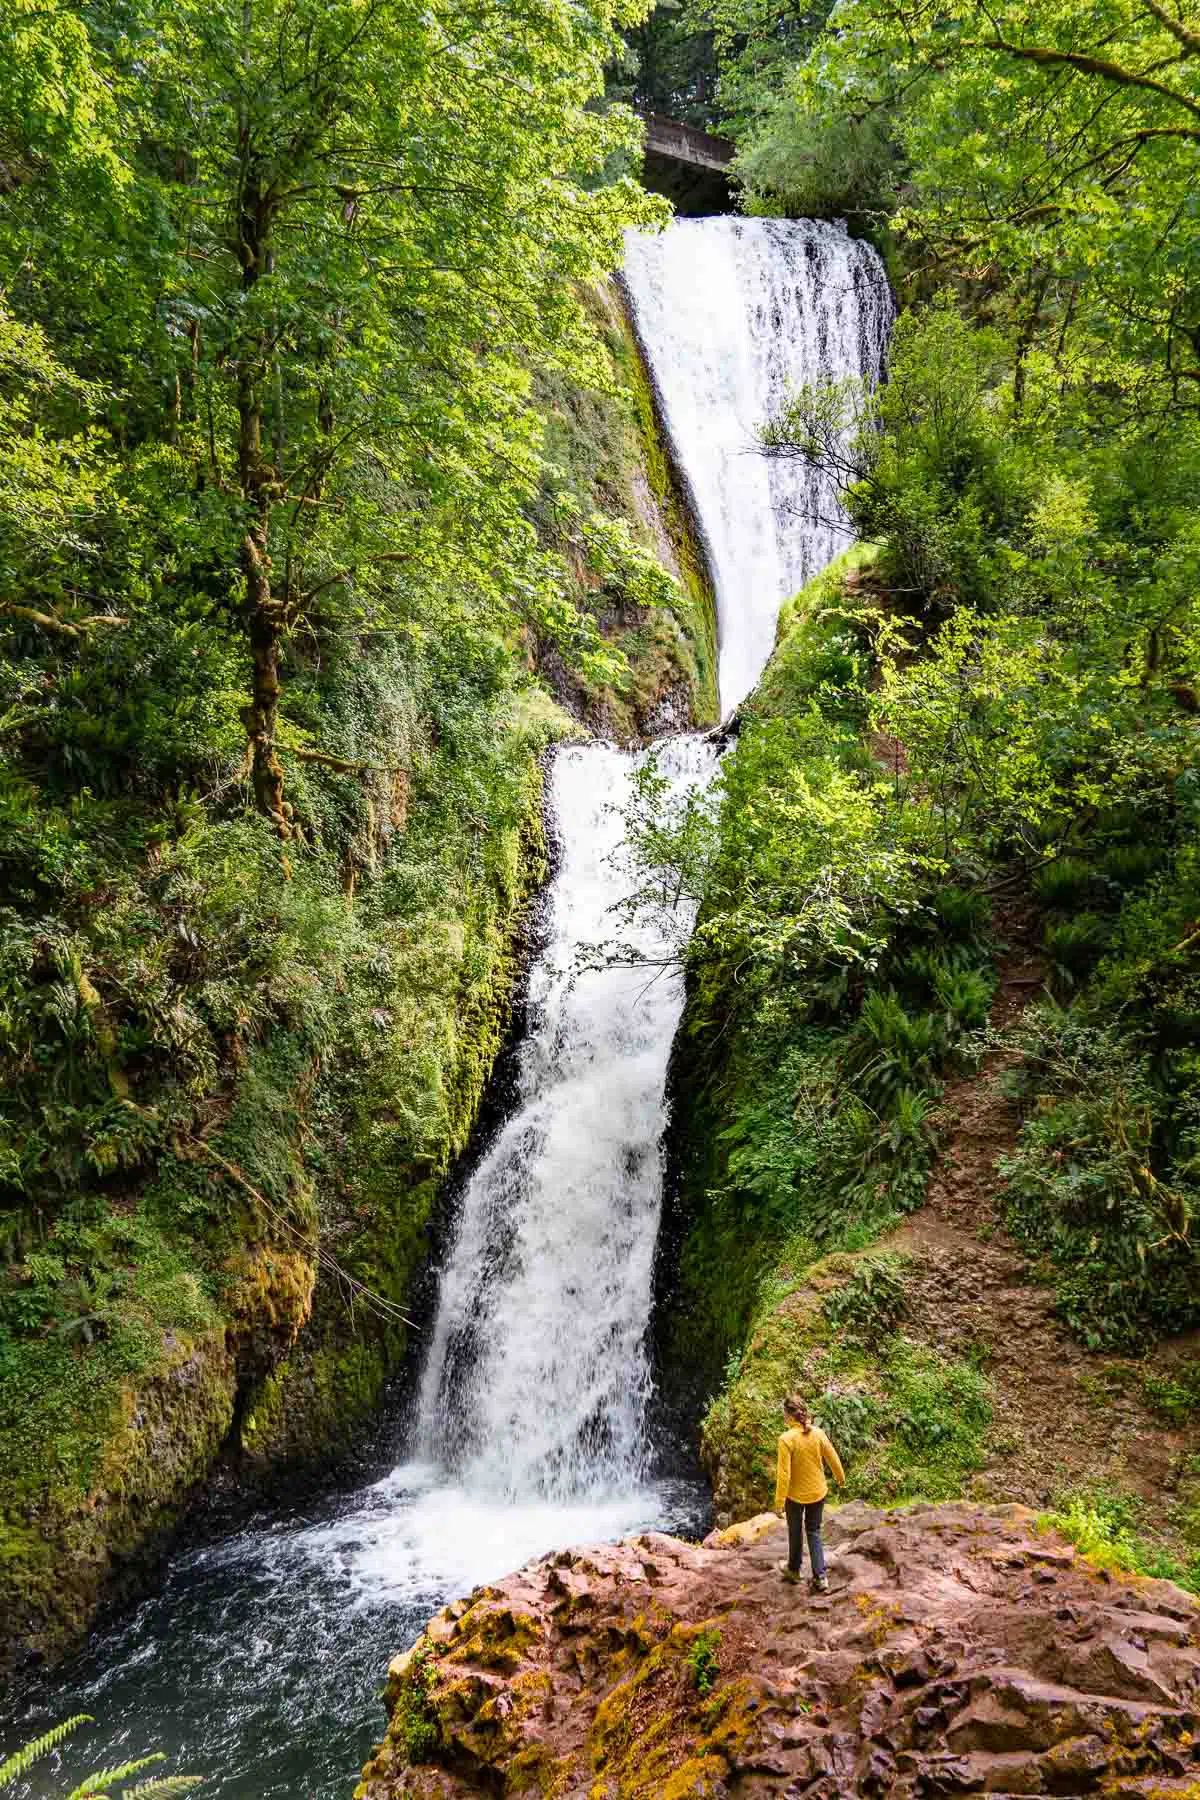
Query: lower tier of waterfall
x=259, y=1662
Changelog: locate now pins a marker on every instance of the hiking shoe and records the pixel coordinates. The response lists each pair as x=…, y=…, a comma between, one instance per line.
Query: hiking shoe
x=820, y=1584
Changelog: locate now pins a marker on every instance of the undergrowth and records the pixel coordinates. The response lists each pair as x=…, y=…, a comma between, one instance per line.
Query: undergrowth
x=1104, y=1527
x=837, y=973
x=908, y=1422
x=1105, y=1180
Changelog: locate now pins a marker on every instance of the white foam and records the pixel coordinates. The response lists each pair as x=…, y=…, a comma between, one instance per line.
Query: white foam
x=536, y=1381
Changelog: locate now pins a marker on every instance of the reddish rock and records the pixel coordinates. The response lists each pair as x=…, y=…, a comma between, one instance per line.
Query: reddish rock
x=937, y=1665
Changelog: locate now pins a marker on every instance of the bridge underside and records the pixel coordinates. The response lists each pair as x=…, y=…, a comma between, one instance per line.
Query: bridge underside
x=693, y=191
x=690, y=167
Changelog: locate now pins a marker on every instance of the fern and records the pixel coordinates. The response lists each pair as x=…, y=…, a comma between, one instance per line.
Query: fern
x=95, y=1787
x=165, y=1788
x=100, y=1785
x=25, y=1758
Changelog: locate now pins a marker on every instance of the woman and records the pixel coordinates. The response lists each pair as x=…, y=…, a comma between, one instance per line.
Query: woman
x=800, y=1487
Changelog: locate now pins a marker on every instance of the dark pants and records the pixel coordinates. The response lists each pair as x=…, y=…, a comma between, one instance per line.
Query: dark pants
x=805, y=1521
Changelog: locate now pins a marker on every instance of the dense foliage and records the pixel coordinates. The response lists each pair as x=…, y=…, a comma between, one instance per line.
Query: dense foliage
x=1004, y=707
x=316, y=443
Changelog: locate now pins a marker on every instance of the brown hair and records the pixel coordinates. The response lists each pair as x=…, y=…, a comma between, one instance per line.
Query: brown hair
x=796, y=1408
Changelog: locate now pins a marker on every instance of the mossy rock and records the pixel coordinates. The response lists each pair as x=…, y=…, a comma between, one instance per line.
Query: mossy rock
x=74, y=1544
x=908, y=1422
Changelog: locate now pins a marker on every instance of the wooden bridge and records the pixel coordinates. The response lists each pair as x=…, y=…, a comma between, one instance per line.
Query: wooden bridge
x=691, y=167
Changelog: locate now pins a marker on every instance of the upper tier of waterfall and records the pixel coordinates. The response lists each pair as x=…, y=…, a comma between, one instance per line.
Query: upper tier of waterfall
x=732, y=315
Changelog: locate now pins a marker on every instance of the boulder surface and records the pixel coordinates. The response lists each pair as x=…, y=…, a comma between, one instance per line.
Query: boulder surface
x=960, y=1650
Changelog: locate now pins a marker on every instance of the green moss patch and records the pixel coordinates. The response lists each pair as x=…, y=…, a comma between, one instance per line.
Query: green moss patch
x=643, y=579
x=908, y=1422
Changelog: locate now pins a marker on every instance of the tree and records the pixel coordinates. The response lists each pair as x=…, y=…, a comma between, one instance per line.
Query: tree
x=1049, y=157
x=347, y=232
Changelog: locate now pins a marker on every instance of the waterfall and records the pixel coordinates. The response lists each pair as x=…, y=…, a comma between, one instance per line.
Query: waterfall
x=732, y=314
x=256, y=1663
x=536, y=1380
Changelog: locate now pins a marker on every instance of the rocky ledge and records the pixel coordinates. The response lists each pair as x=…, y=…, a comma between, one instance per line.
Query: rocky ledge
x=959, y=1651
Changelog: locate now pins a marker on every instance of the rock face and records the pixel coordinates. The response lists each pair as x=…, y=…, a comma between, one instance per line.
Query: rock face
x=958, y=1651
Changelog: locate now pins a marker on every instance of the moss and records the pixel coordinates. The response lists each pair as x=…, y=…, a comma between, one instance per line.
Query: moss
x=909, y=1422
x=667, y=489
x=653, y=1735
x=88, y=1524
x=609, y=457
x=494, y=1637
x=399, y=1113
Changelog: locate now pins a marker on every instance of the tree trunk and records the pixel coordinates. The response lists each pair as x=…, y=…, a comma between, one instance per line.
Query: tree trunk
x=261, y=716
x=265, y=613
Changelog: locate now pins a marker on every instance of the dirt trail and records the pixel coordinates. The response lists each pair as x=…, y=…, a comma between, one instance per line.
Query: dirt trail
x=1064, y=1418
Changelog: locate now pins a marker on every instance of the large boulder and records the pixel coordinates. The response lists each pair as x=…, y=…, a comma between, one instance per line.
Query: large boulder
x=960, y=1650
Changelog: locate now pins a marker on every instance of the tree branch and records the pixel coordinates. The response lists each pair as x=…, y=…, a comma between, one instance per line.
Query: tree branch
x=338, y=762
x=1189, y=39
x=388, y=556
x=51, y=621
x=1087, y=65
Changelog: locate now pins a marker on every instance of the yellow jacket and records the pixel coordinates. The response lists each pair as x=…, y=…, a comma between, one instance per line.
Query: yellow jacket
x=801, y=1476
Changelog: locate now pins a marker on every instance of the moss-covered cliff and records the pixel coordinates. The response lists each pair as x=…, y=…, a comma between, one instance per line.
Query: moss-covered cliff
x=609, y=460
x=209, y=1308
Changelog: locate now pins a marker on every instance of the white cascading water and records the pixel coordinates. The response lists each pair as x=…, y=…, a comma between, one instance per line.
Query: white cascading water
x=537, y=1380
x=732, y=315
x=255, y=1664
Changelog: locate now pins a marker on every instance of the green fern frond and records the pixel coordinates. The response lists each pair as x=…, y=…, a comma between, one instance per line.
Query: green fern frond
x=31, y=1753
x=164, y=1789
x=94, y=1787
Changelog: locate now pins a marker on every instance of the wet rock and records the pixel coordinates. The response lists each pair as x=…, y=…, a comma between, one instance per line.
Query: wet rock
x=938, y=1665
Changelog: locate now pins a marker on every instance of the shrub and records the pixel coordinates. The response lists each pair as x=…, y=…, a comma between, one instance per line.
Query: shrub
x=963, y=914
x=871, y=1304
x=851, y=1418
x=891, y=1050
x=1076, y=944
x=1103, y=1527
x=965, y=996
x=1103, y=1182
x=1063, y=882
x=1177, y=1395
x=1130, y=865
x=704, y=1660
x=414, y=1723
